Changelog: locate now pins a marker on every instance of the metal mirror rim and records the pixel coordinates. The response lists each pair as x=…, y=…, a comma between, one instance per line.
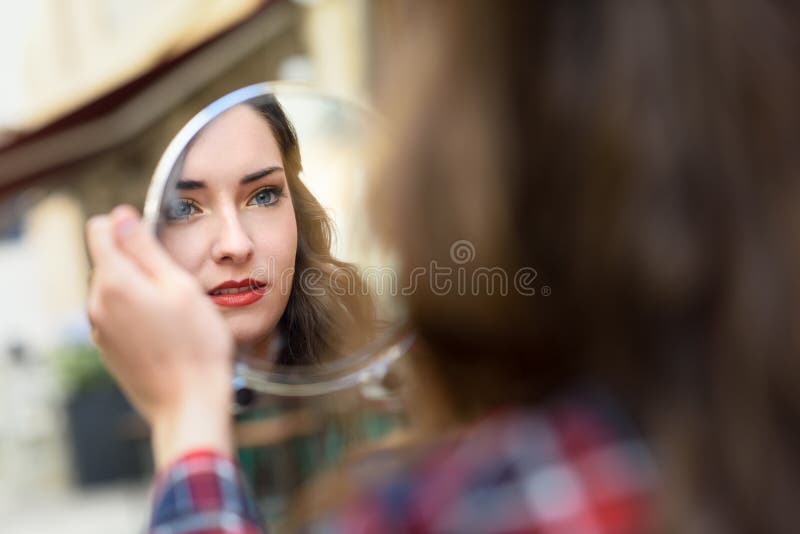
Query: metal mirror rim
x=325, y=379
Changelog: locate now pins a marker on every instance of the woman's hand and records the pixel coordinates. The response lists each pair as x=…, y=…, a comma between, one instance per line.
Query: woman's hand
x=161, y=337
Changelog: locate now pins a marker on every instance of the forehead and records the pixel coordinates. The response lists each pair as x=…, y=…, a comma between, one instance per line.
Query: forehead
x=236, y=143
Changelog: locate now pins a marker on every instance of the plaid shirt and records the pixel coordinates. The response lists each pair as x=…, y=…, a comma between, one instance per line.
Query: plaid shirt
x=574, y=467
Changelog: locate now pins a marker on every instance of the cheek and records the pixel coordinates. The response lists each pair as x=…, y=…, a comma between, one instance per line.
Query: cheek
x=276, y=240
x=186, y=246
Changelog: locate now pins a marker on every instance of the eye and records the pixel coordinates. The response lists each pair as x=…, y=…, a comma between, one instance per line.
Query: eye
x=264, y=197
x=181, y=209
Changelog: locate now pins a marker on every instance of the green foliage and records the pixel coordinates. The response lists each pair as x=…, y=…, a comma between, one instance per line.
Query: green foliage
x=80, y=369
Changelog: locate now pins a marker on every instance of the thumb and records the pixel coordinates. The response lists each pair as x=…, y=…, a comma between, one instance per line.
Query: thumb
x=140, y=245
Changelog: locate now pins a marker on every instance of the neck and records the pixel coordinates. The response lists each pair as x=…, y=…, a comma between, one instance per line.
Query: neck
x=260, y=352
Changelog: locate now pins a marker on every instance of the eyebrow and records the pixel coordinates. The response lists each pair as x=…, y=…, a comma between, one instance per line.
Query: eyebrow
x=186, y=185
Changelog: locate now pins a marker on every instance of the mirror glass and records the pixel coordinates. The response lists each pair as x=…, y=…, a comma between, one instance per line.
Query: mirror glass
x=261, y=197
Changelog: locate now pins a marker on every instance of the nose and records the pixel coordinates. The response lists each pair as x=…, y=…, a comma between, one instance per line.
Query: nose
x=233, y=244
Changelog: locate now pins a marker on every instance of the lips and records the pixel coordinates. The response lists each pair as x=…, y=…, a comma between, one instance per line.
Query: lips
x=237, y=293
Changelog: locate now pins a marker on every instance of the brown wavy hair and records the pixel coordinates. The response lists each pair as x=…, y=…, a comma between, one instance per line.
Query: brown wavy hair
x=644, y=158
x=332, y=312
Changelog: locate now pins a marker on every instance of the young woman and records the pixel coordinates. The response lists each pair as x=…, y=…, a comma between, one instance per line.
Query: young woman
x=642, y=158
x=239, y=219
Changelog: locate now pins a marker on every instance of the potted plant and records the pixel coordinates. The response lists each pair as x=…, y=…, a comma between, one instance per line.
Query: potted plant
x=99, y=418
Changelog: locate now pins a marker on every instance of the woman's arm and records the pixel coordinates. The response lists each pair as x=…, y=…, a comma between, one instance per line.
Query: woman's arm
x=171, y=352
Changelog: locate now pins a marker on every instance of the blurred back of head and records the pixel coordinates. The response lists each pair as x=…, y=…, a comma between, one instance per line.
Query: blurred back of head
x=642, y=157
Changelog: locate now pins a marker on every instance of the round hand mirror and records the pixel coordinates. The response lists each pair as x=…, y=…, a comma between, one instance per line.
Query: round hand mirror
x=260, y=197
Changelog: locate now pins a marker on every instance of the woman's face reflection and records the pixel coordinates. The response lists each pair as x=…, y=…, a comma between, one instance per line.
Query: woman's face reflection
x=233, y=225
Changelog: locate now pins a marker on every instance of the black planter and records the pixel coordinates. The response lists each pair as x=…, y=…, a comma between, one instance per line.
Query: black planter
x=100, y=449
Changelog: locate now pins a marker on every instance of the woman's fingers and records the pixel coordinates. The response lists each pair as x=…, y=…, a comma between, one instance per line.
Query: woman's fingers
x=141, y=246
x=115, y=277
x=99, y=240
x=110, y=264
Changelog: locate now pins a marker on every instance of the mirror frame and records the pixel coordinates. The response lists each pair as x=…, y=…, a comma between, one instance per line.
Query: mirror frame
x=366, y=367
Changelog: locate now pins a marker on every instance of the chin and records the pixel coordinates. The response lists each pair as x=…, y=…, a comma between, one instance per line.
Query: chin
x=246, y=330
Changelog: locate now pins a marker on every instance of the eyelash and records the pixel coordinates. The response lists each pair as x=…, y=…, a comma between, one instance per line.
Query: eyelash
x=277, y=193
x=172, y=216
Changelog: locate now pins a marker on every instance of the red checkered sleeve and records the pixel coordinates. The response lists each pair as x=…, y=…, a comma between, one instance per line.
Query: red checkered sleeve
x=575, y=466
x=204, y=493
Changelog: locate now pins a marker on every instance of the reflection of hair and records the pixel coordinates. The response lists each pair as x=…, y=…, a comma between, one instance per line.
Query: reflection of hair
x=643, y=158
x=323, y=321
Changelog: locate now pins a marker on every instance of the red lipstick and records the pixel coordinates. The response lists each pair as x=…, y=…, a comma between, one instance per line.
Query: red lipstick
x=238, y=293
